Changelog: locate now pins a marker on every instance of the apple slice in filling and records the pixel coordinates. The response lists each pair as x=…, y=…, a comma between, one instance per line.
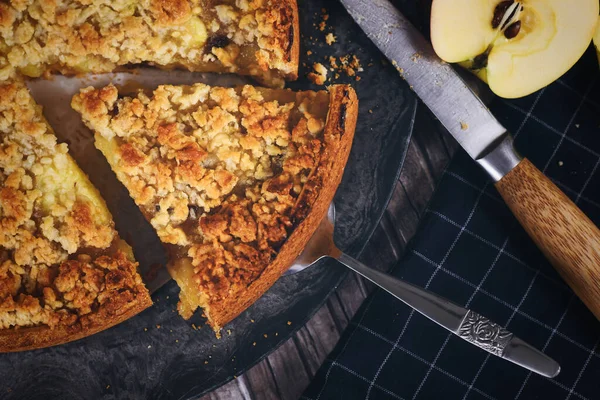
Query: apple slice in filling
x=517, y=47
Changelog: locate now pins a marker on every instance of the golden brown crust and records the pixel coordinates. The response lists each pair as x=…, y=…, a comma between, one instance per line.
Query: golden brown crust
x=12, y=340
x=340, y=126
x=249, y=37
x=63, y=269
x=231, y=179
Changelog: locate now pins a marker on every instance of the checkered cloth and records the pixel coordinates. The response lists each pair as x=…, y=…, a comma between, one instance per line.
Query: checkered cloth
x=470, y=249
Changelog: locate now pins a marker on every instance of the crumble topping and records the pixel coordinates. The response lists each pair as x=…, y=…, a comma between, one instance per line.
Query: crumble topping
x=49, y=211
x=217, y=171
x=252, y=37
x=319, y=76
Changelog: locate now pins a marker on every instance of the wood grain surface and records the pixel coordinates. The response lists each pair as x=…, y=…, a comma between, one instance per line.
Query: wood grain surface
x=286, y=372
x=566, y=236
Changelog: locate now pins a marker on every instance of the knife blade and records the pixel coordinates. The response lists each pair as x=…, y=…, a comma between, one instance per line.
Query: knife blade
x=567, y=237
x=461, y=112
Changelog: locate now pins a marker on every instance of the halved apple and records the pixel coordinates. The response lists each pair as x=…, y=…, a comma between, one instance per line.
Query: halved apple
x=517, y=47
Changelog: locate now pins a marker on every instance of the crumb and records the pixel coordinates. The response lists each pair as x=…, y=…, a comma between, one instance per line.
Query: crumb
x=167, y=297
x=235, y=377
x=560, y=163
x=289, y=322
x=254, y=344
x=337, y=76
x=330, y=39
x=322, y=26
x=320, y=75
x=108, y=386
x=265, y=335
x=370, y=111
x=358, y=78
x=205, y=362
x=577, y=126
x=145, y=329
x=415, y=57
x=276, y=334
x=149, y=346
x=229, y=331
x=333, y=62
x=171, y=330
x=252, y=320
x=157, y=326
x=308, y=53
x=176, y=340
x=464, y=126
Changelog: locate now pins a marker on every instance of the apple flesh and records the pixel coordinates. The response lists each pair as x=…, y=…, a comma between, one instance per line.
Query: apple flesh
x=517, y=47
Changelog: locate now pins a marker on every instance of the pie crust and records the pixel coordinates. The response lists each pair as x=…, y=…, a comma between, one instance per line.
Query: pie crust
x=259, y=38
x=64, y=272
x=234, y=180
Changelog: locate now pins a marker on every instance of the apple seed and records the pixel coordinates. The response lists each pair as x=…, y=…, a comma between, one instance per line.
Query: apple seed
x=512, y=30
x=499, y=12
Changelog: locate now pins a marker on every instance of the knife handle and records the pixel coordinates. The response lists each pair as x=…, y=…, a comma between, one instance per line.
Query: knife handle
x=566, y=236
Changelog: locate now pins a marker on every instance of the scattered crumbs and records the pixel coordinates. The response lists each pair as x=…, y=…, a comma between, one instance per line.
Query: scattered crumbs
x=330, y=39
x=145, y=329
x=289, y=322
x=266, y=336
x=254, y=344
x=157, y=326
x=108, y=386
x=322, y=26
x=560, y=163
x=149, y=346
x=252, y=320
x=333, y=62
x=395, y=64
x=415, y=57
x=319, y=76
x=308, y=53
x=370, y=111
x=464, y=126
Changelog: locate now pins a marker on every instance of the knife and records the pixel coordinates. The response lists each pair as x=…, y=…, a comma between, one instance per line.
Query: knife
x=566, y=236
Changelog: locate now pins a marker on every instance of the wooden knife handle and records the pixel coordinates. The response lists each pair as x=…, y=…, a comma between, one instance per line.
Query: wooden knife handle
x=560, y=229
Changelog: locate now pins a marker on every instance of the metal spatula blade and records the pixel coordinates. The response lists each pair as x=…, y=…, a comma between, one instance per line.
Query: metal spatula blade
x=466, y=324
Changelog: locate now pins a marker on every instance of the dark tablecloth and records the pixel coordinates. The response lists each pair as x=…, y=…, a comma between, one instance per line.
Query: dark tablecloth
x=470, y=249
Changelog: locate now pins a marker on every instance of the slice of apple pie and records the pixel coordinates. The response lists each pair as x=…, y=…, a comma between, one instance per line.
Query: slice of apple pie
x=250, y=37
x=234, y=180
x=64, y=272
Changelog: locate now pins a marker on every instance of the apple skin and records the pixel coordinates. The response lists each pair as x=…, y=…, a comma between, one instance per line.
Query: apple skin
x=554, y=34
x=597, y=39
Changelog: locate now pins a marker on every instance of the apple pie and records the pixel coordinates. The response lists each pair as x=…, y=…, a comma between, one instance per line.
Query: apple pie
x=259, y=38
x=234, y=180
x=64, y=272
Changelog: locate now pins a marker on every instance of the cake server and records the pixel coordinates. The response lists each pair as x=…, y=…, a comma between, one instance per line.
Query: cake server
x=566, y=236
x=466, y=324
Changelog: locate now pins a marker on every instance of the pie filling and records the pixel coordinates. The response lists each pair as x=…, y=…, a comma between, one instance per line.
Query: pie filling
x=222, y=174
x=249, y=37
x=61, y=261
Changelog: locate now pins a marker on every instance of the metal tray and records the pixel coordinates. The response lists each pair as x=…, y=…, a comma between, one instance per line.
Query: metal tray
x=157, y=354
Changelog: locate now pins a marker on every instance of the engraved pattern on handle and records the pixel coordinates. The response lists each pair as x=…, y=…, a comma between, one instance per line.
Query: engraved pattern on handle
x=484, y=333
